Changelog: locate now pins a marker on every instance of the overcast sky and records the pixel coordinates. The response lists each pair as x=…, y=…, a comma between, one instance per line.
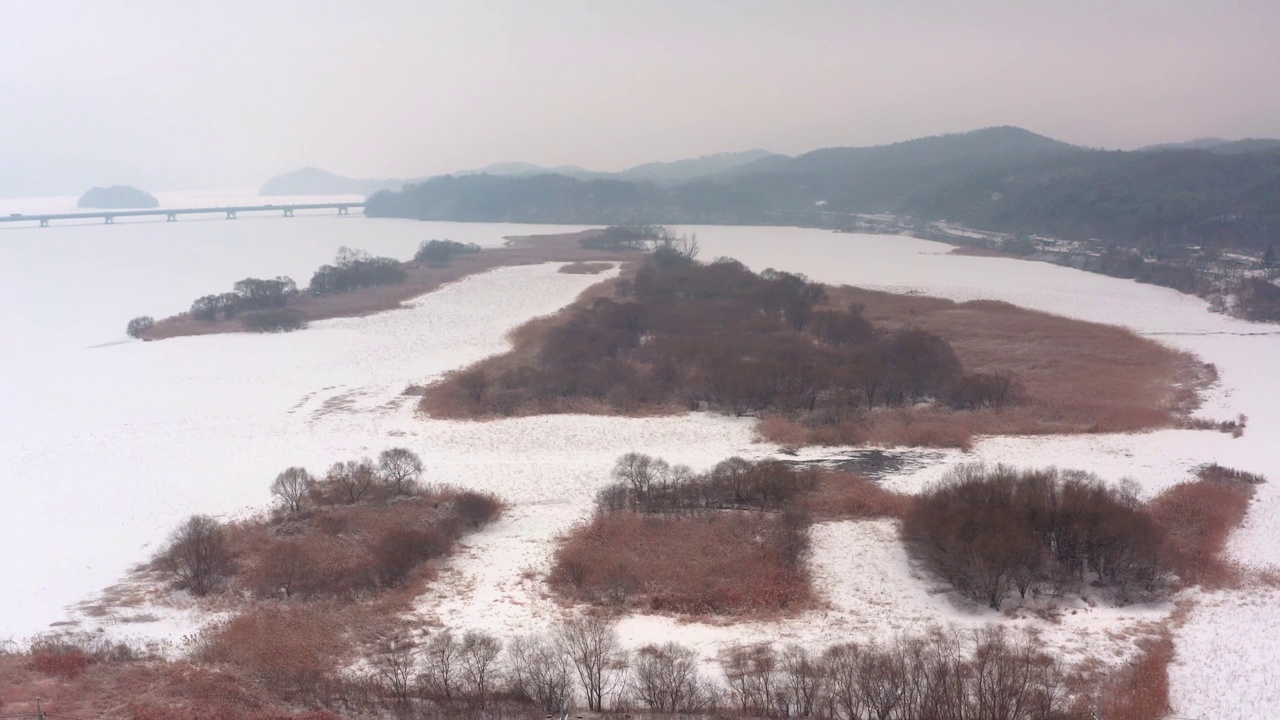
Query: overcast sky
x=230, y=92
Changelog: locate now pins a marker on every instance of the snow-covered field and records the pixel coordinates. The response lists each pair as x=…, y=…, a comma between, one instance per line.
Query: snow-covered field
x=106, y=445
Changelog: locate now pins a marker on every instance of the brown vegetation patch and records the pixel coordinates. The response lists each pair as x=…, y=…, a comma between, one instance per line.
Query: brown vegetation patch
x=727, y=562
x=1076, y=376
x=585, y=268
x=1198, y=518
x=850, y=496
x=1139, y=690
x=992, y=531
x=808, y=361
x=420, y=278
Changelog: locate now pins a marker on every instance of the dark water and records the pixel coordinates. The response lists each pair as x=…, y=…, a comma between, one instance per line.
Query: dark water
x=876, y=464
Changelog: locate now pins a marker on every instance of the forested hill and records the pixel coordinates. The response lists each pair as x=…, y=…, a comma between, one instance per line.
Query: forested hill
x=1003, y=178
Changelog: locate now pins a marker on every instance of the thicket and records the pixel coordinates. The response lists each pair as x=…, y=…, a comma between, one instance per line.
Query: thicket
x=138, y=326
x=1259, y=300
x=991, y=530
x=438, y=253
x=720, y=337
x=263, y=305
x=730, y=541
x=246, y=295
x=353, y=270
x=625, y=237
x=360, y=527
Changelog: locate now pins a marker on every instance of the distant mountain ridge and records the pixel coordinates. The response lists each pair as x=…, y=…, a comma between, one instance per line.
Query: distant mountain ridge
x=1219, y=145
x=314, y=181
x=999, y=178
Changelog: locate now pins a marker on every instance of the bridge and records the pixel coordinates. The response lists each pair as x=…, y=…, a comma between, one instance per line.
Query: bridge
x=171, y=215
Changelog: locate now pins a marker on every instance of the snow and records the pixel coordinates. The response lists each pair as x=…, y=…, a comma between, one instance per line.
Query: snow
x=108, y=445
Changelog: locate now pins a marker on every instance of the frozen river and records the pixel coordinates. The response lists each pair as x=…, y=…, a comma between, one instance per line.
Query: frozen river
x=106, y=443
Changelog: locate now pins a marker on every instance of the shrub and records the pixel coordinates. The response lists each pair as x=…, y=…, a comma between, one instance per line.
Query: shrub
x=476, y=509
x=624, y=237
x=65, y=663
x=282, y=320
x=197, y=556
x=139, y=326
x=399, y=551
x=293, y=651
x=438, y=253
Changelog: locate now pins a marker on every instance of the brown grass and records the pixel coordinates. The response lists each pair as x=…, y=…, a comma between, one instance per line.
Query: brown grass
x=1140, y=690
x=850, y=496
x=723, y=563
x=140, y=689
x=585, y=268
x=1077, y=376
x=1199, y=517
x=421, y=279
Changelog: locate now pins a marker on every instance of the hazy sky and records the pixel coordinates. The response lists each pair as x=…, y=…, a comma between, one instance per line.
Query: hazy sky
x=229, y=92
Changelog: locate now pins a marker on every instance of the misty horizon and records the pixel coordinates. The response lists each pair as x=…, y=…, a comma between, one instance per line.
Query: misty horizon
x=216, y=96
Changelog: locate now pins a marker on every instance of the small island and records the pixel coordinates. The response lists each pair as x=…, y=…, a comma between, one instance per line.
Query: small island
x=117, y=197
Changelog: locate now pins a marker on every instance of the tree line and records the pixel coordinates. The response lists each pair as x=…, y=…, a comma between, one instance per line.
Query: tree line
x=582, y=664
x=262, y=305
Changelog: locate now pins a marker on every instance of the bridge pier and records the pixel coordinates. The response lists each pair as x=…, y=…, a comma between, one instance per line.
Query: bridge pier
x=342, y=210
x=109, y=219
x=171, y=217
x=231, y=214
x=44, y=222
x=288, y=212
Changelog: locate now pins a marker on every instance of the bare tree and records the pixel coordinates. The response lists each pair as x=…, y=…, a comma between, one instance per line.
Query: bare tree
x=400, y=468
x=803, y=681
x=394, y=663
x=352, y=478
x=293, y=489
x=441, y=661
x=478, y=662
x=197, y=555
x=540, y=673
x=665, y=679
x=752, y=672
x=592, y=645
x=639, y=472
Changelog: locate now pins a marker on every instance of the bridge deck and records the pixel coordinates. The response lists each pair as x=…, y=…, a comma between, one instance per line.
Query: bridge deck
x=172, y=213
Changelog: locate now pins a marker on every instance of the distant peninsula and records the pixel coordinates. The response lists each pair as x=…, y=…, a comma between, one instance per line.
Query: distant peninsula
x=117, y=197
